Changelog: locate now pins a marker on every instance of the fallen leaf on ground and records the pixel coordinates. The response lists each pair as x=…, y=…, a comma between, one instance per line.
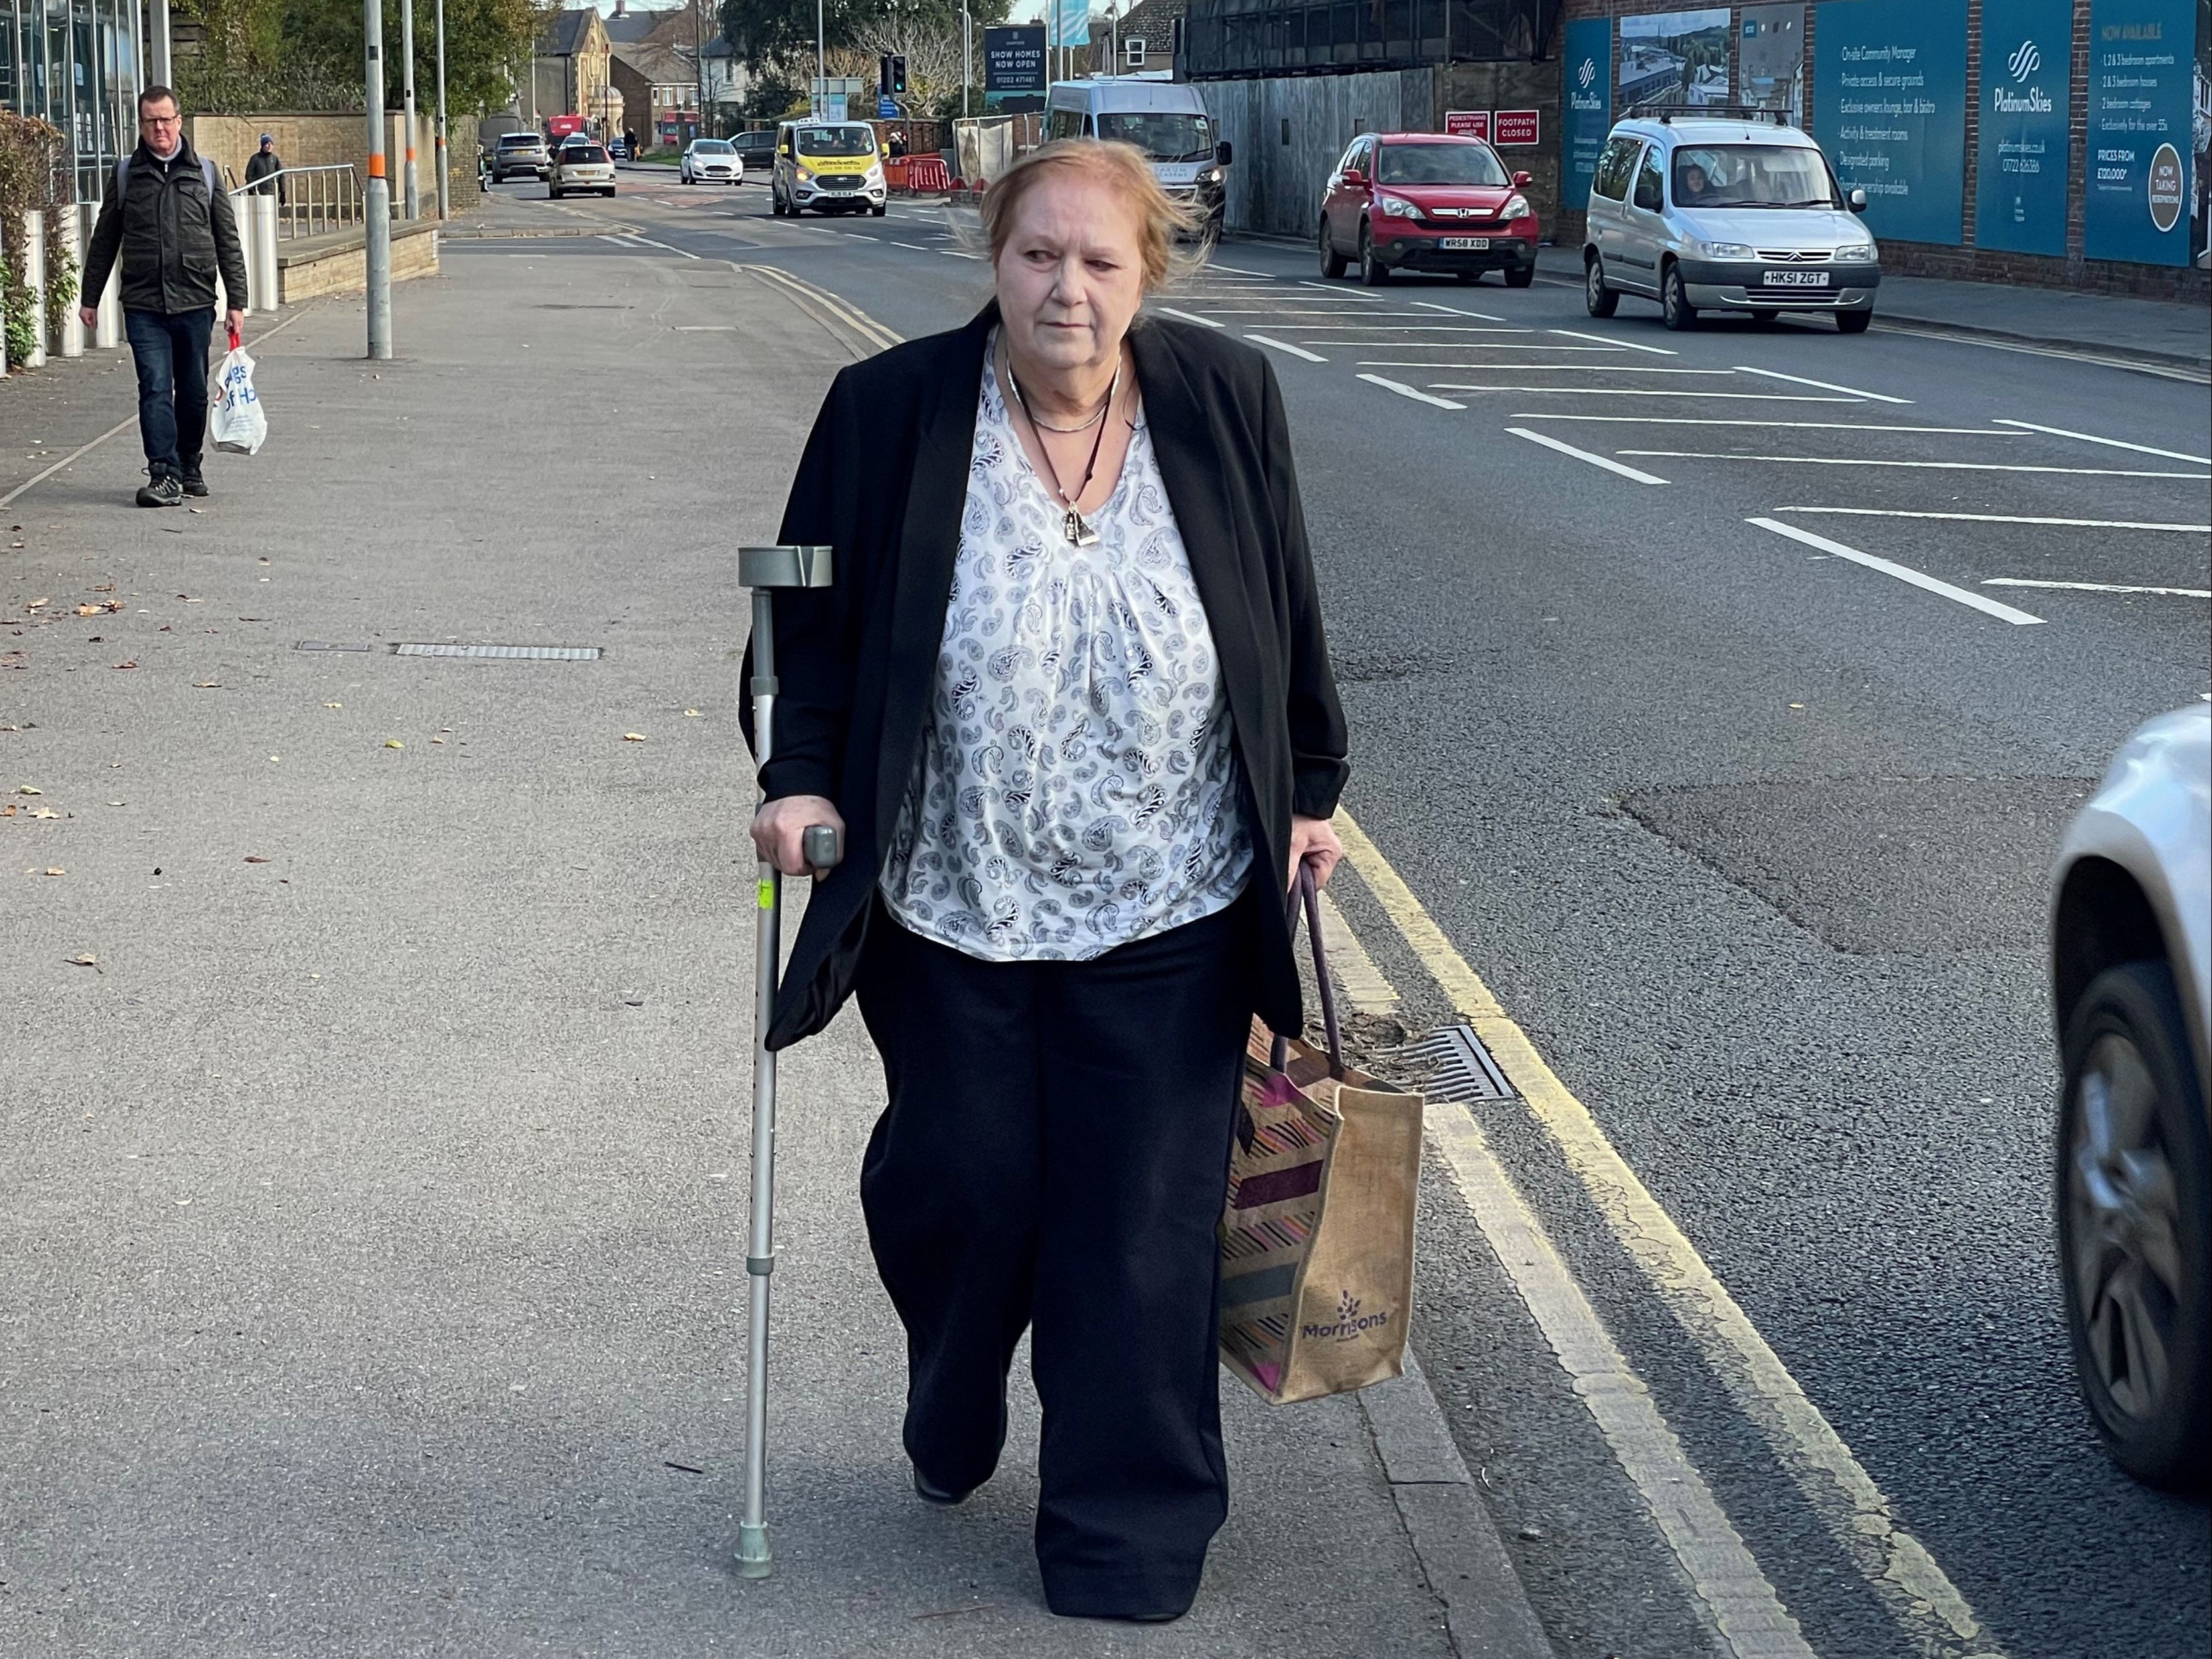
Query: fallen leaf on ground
x=132, y=663
x=56, y=870
x=690, y=713
x=206, y=685
x=251, y=858
x=86, y=960
x=45, y=813
x=632, y=737
x=394, y=743
x=28, y=789
x=333, y=705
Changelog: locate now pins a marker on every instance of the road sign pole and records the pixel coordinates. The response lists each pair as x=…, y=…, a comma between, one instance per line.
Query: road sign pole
x=376, y=194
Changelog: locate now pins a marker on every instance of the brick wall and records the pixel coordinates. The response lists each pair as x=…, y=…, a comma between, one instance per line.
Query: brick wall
x=1966, y=261
x=309, y=140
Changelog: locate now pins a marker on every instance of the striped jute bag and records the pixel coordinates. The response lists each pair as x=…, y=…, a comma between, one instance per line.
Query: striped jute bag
x=1317, y=1234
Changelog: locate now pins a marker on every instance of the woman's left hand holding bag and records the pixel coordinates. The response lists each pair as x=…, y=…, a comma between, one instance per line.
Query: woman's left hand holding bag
x=1314, y=842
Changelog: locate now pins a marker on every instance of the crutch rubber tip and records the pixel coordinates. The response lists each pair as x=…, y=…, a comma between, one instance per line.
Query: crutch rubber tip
x=752, y=1551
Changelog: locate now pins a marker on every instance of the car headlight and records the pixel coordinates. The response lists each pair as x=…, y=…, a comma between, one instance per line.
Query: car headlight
x=1517, y=207
x=1211, y=176
x=1726, y=250
x=805, y=175
x=1856, y=251
x=1399, y=208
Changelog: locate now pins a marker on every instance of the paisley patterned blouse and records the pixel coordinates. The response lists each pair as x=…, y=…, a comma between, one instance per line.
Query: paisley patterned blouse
x=1077, y=787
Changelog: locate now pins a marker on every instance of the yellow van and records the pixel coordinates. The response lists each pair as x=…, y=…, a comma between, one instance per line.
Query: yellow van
x=832, y=166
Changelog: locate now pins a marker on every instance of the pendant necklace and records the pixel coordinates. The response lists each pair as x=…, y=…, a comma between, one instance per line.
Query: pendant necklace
x=1073, y=525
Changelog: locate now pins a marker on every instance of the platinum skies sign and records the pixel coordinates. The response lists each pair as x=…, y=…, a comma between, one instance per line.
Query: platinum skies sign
x=1587, y=52
x=2020, y=196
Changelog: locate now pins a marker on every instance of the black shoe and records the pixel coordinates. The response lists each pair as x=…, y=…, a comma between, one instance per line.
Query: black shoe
x=193, y=484
x=162, y=489
x=938, y=1495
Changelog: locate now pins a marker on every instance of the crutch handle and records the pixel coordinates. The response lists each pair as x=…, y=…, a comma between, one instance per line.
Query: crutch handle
x=822, y=846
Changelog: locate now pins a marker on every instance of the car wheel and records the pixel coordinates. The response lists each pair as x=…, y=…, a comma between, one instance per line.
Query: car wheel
x=1520, y=276
x=878, y=211
x=1853, y=322
x=551, y=194
x=1332, y=262
x=1598, y=300
x=2134, y=1225
x=1675, y=307
x=1766, y=319
x=611, y=192
x=1373, y=270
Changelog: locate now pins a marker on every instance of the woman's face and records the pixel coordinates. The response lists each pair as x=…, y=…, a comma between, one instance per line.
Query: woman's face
x=1072, y=274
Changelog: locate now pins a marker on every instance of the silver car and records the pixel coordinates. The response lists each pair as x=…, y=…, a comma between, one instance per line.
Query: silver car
x=580, y=166
x=2131, y=936
x=1739, y=213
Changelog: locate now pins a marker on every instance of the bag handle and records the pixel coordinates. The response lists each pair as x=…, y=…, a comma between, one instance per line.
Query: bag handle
x=1308, y=893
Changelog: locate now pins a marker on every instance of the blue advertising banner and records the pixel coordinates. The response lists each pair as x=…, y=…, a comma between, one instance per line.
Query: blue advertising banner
x=1889, y=105
x=2028, y=55
x=2142, y=58
x=1586, y=64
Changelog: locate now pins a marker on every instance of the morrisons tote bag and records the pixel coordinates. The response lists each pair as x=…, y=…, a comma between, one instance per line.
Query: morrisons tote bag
x=1317, y=1234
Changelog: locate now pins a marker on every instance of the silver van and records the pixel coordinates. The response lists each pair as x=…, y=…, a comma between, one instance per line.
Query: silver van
x=1731, y=211
x=1164, y=118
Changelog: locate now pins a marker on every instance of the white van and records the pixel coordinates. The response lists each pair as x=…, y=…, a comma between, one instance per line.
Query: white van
x=1166, y=120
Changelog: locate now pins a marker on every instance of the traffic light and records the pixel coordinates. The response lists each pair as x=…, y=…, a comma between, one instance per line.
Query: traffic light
x=898, y=73
x=884, y=75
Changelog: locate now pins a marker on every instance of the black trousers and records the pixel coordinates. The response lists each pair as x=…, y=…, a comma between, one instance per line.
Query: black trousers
x=170, y=350
x=1055, y=1157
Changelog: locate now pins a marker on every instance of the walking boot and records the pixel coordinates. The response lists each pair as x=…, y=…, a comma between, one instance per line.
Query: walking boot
x=194, y=484
x=162, y=489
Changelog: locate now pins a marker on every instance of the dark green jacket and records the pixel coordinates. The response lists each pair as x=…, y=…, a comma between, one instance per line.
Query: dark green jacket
x=172, y=234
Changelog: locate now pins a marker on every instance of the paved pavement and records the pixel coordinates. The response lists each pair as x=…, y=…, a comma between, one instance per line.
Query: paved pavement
x=378, y=1041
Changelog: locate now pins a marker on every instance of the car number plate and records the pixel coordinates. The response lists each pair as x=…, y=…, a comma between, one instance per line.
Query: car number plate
x=1796, y=279
x=1463, y=244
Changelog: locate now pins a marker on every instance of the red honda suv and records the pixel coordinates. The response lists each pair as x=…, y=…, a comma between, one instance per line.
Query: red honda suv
x=1420, y=201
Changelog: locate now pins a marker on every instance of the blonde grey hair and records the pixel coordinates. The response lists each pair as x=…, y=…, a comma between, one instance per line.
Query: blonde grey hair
x=1123, y=169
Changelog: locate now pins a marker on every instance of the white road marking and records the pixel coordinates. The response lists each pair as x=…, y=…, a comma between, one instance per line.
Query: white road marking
x=1317, y=313
x=956, y=253
x=617, y=240
x=2001, y=518
x=1937, y=1619
x=1483, y=345
x=1341, y=292
x=1430, y=305
x=706, y=328
x=916, y=246
x=2095, y=587
x=1585, y=455
x=1614, y=391
x=1919, y=578
x=1616, y=345
x=863, y=235
x=1574, y=368
x=1239, y=270
x=1825, y=385
x=1430, y=328
x=1940, y=467
x=665, y=247
x=1405, y=391
x=1285, y=345
x=1188, y=316
x=2110, y=443
x=1794, y=425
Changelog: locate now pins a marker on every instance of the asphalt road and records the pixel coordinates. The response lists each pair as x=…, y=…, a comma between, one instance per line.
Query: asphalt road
x=1749, y=833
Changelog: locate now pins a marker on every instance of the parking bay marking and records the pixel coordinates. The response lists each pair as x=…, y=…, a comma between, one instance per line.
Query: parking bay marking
x=2095, y=587
x=1285, y=345
x=1609, y=391
x=1430, y=305
x=1940, y=466
x=1548, y=442
x=1616, y=345
x=2111, y=443
x=1824, y=385
x=1803, y=426
x=1405, y=391
x=1188, y=316
x=1913, y=1587
x=2003, y=518
x=1903, y=573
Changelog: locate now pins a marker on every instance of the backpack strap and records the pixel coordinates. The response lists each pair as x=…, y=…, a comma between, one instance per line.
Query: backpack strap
x=207, y=171
x=122, y=175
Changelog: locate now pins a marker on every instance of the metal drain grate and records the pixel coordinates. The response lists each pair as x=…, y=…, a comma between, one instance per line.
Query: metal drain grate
x=325, y=645
x=1457, y=1067
x=505, y=653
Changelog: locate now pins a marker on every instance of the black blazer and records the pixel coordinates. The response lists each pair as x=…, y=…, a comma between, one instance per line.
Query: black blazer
x=882, y=481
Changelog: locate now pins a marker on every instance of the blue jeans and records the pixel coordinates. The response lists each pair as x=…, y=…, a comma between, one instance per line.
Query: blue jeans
x=171, y=351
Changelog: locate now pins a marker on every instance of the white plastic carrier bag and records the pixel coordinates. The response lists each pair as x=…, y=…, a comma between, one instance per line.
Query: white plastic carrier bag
x=237, y=422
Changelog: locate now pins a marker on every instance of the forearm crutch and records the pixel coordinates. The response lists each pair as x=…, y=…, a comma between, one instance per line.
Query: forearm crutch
x=763, y=569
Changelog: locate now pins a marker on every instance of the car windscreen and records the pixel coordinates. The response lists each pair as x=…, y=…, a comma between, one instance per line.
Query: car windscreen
x=1754, y=175
x=711, y=147
x=1162, y=135
x=836, y=141
x=583, y=153
x=1439, y=164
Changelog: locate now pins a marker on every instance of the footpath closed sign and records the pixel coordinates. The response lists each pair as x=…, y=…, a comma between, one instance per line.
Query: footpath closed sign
x=1889, y=105
x=1586, y=67
x=2141, y=61
x=2028, y=53
x=1516, y=129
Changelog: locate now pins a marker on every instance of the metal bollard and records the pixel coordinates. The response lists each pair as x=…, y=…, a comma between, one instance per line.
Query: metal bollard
x=34, y=283
x=71, y=341
x=259, y=235
x=763, y=569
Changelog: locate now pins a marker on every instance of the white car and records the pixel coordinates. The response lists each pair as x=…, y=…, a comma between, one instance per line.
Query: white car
x=580, y=166
x=711, y=162
x=2131, y=934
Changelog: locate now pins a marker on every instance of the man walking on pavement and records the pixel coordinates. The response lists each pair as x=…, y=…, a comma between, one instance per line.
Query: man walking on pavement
x=169, y=221
x=261, y=170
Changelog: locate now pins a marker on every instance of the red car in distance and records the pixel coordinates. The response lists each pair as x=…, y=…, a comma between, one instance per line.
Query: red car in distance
x=1422, y=201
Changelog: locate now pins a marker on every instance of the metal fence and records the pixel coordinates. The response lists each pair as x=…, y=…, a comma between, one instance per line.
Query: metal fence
x=313, y=201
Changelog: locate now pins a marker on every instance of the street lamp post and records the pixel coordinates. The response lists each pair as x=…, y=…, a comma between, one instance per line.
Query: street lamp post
x=376, y=194
x=821, y=65
x=967, y=56
x=445, y=162
x=412, y=197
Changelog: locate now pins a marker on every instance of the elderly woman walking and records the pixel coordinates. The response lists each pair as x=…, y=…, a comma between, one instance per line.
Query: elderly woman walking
x=1070, y=702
